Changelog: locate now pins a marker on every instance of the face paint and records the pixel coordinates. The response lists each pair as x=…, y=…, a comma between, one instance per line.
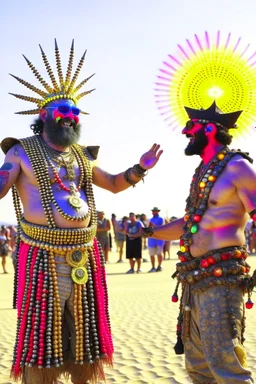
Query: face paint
x=61, y=124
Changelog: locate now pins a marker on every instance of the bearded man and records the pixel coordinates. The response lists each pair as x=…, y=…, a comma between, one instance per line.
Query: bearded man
x=63, y=318
x=213, y=270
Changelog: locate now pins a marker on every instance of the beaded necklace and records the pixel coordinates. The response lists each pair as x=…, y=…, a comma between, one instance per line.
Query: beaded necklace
x=34, y=150
x=63, y=160
x=74, y=198
x=197, y=201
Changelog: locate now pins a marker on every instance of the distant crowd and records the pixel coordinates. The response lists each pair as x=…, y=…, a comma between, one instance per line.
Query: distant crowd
x=127, y=238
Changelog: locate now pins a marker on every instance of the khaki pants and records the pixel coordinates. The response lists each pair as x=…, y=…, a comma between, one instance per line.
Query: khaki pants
x=209, y=353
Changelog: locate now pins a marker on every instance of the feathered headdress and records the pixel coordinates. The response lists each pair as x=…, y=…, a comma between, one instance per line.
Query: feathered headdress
x=65, y=89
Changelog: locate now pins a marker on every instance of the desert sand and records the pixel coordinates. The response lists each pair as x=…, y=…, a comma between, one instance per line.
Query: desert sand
x=143, y=325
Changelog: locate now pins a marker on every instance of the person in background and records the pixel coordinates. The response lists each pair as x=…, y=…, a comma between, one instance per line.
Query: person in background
x=133, y=231
x=13, y=234
x=120, y=237
x=114, y=223
x=5, y=239
x=103, y=228
x=155, y=247
x=144, y=221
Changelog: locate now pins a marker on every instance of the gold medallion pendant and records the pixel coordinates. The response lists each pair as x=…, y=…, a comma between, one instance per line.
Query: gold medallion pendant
x=76, y=258
x=79, y=275
x=75, y=202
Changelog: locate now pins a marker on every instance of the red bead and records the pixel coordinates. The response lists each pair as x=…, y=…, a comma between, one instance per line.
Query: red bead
x=182, y=259
x=249, y=304
x=225, y=256
x=211, y=260
x=217, y=272
x=205, y=263
x=197, y=218
x=254, y=217
x=175, y=298
x=181, y=242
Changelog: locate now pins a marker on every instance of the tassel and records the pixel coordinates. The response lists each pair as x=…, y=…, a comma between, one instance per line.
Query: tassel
x=179, y=347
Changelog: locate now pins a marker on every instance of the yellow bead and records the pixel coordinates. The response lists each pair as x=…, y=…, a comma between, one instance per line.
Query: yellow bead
x=221, y=156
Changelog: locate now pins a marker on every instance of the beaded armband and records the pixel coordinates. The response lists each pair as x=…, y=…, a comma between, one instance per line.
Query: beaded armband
x=138, y=171
x=253, y=215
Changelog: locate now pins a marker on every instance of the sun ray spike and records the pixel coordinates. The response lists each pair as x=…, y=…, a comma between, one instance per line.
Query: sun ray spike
x=218, y=40
x=37, y=75
x=83, y=82
x=207, y=40
x=30, y=86
x=78, y=69
x=228, y=41
x=58, y=64
x=30, y=112
x=70, y=66
x=84, y=93
x=237, y=44
x=49, y=70
x=27, y=98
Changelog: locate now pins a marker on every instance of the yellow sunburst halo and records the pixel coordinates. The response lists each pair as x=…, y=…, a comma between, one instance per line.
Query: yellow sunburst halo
x=208, y=70
x=65, y=89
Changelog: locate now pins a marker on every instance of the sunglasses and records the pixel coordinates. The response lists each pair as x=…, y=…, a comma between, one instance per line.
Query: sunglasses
x=190, y=124
x=66, y=109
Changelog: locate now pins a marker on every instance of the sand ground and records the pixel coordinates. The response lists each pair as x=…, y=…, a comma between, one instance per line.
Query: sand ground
x=143, y=324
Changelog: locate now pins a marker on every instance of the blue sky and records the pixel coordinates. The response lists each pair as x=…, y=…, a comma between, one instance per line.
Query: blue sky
x=126, y=43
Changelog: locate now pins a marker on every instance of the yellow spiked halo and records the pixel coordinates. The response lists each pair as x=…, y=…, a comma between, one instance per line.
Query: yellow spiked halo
x=65, y=89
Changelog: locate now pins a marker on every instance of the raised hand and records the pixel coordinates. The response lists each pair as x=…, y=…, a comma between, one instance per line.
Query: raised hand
x=150, y=158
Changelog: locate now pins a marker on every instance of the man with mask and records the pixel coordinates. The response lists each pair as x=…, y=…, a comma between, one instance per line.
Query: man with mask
x=213, y=271
x=63, y=318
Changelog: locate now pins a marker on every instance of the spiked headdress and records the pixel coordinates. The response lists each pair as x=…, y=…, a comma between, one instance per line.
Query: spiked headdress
x=65, y=89
x=215, y=115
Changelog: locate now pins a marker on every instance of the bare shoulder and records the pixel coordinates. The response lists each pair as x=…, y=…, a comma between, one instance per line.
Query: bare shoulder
x=238, y=163
x=240, y=168
x=15, y=154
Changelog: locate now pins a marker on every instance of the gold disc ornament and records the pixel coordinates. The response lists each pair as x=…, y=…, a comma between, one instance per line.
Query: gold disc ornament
x=207, y=70
x=75, y=202
x=79, y=275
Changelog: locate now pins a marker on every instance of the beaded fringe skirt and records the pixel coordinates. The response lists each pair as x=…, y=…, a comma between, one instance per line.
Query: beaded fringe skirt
x=39, y=342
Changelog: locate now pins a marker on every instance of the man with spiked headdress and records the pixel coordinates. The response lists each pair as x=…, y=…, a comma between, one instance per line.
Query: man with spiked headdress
x=213, y=271
x=60, y=284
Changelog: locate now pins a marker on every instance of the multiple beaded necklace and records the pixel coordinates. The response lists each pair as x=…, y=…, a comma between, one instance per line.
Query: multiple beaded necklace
x=40, y=161
x=74, y=198
x=63, y=160
x=196, y=204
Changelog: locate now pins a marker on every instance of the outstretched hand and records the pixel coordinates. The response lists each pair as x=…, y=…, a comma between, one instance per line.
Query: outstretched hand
x=150, y=158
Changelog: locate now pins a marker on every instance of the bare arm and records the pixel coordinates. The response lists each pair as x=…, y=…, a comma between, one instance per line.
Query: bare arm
x=243, y=176
x=170, y=231
x=10, y=170
x=117, y=183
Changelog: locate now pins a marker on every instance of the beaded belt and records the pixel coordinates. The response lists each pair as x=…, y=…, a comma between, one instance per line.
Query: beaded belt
x=73, y=243
x=60, y=239
x=225, y=266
